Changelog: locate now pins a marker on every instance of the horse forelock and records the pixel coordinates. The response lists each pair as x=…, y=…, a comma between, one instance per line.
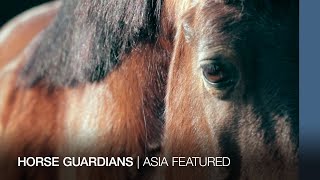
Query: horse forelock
x=88, y=38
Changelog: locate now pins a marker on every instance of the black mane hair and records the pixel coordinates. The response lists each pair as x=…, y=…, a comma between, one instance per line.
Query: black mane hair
x=88, y=38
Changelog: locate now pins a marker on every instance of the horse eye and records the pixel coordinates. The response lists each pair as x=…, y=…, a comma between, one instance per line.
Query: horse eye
x=219, y=75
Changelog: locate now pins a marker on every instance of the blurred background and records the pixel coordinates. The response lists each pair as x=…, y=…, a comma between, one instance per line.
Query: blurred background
x=11, y=8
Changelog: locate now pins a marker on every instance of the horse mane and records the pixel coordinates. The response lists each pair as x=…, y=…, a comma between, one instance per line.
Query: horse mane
x=88, y=38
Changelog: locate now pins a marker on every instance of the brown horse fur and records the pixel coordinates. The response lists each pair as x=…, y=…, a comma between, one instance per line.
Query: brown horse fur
x=18, y=33
x=255, y=122
x=92, y=84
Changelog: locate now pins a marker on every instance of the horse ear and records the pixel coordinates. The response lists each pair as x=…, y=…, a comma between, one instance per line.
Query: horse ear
x=188, y=25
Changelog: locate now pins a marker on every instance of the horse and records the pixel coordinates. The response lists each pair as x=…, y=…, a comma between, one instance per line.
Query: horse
x=233, y=90
x=92, y=83
x=95, y=83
